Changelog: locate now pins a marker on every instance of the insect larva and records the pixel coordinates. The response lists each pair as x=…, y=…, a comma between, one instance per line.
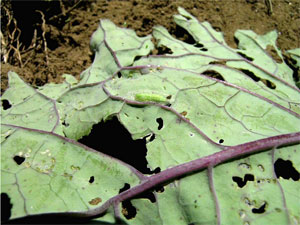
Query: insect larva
x=145, y=97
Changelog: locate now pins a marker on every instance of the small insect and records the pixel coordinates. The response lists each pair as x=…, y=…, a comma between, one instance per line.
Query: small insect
x=146, y=97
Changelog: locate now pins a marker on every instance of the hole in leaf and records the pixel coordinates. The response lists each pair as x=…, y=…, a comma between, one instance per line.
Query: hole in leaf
x=260, y=209
x=91, y=180
x=245, y=56
x=5, y=104
x=128, y=210
x=242, y=182
x=148, y=194
x=162, y=50
x=136, y=58
x=157, y=170
x=268, y=83
x=272, y=52
x=293, y=65
x=236, y=41
x=199, y=45
x=112, y=138
x=221, y=62
x=159, y=189
x=149, y=138
x=221, y=141
x=65, y=124
x=181, y=34
x=19, y=159
x=213, y=74
x=160, y=123
x=6, y=207
x=126, y=187
x=92, y=56
x=286, y=170
x=152, y=137
x=250, y=74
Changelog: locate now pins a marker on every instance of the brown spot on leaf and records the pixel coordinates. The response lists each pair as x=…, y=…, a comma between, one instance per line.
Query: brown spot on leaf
x=268, y=83
x=184, y=113
x=220, y=62
x=213, y=74
x=95, y=201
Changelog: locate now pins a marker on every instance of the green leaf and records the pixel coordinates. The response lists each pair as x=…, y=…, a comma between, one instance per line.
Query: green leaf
x=204, y=101
x=58, y=174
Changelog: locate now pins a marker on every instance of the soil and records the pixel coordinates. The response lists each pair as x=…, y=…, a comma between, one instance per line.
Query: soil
x=52, y=38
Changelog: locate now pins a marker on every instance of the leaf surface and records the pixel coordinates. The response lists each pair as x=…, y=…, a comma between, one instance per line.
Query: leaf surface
x=196, y=100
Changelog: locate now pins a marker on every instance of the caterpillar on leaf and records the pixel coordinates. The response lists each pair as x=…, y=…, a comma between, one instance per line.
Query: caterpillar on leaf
x=146, y=97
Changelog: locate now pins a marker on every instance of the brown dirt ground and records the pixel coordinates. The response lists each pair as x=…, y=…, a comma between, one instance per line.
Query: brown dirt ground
x=61, y=44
